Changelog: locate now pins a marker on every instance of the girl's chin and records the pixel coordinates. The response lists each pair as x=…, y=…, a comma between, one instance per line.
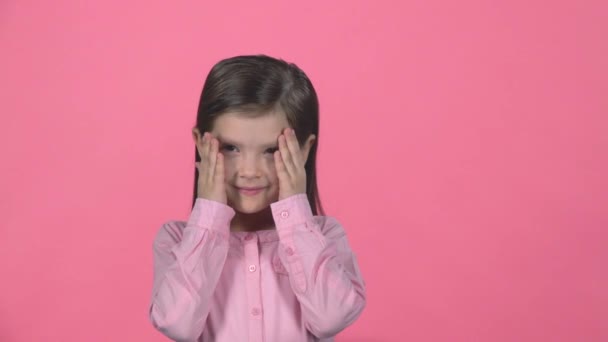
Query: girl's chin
x=249, y=207
x=249, y=210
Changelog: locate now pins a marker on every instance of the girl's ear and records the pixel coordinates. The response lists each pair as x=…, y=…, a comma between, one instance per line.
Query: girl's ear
x=307, y=146
x=196, y=135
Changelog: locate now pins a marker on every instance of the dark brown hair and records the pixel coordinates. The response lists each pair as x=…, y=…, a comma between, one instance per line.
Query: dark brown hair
x=258, y=84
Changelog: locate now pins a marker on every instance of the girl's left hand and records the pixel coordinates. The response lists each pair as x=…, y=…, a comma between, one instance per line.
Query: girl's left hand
x=289, y=163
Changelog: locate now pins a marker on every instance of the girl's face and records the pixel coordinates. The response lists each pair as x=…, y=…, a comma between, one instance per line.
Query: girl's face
x=248, y=144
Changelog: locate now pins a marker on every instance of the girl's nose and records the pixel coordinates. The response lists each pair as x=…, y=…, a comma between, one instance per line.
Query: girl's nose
x=249, y=167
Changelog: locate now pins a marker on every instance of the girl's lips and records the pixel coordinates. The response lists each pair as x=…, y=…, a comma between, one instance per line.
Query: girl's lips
x=250, y=191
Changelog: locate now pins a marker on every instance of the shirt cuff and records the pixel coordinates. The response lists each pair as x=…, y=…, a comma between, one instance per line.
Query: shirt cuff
x=291, y=211
x=212, y=215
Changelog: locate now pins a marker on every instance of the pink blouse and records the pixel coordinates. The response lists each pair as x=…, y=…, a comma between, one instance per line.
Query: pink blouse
x=300, y=282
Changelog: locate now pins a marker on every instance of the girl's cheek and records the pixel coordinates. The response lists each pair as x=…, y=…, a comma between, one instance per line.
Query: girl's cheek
x=229, y=165
x=270, y=167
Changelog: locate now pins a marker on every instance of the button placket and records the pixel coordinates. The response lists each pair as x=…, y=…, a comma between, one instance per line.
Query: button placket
x=253, y=285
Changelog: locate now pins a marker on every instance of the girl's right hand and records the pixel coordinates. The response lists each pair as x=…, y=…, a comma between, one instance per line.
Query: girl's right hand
x=210, y=170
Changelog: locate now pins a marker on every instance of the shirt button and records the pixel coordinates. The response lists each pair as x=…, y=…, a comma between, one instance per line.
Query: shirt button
x=255, y=311
x=251, y=268
x=289, y=251
x=248, y=237
x=284, y=214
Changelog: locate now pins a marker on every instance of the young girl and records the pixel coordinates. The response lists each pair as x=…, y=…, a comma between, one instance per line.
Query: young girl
x=255, y=261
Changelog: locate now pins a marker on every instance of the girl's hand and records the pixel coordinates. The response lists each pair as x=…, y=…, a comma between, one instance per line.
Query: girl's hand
x=211, y=170
x=289, y=163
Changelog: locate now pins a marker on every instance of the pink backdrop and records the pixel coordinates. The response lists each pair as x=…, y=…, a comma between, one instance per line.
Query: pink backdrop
x=463, y=146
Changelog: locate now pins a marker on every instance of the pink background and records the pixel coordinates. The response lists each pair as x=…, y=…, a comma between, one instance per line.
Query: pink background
x=463, y=146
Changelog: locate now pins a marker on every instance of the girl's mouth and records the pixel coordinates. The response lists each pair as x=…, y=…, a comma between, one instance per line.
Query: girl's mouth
x=250, y=191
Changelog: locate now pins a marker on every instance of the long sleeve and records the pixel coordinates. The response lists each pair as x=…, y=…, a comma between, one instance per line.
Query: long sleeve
x=323, y=270
x=187, y=267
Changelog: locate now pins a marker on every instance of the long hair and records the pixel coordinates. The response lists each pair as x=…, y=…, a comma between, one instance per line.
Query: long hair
x=256, y=84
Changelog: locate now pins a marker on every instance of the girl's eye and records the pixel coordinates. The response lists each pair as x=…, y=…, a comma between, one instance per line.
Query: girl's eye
x=272, y=150
x=229, y=148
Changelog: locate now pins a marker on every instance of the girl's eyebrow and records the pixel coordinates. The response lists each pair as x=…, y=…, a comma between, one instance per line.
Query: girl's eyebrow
x=228, y=141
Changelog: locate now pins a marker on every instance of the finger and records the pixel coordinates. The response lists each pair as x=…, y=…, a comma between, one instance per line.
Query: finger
x=212, y=158
x=219, y=169
x=205, y=148
x=286, y=155
x=293, y=146
x=200, y=146
x=280, y=166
